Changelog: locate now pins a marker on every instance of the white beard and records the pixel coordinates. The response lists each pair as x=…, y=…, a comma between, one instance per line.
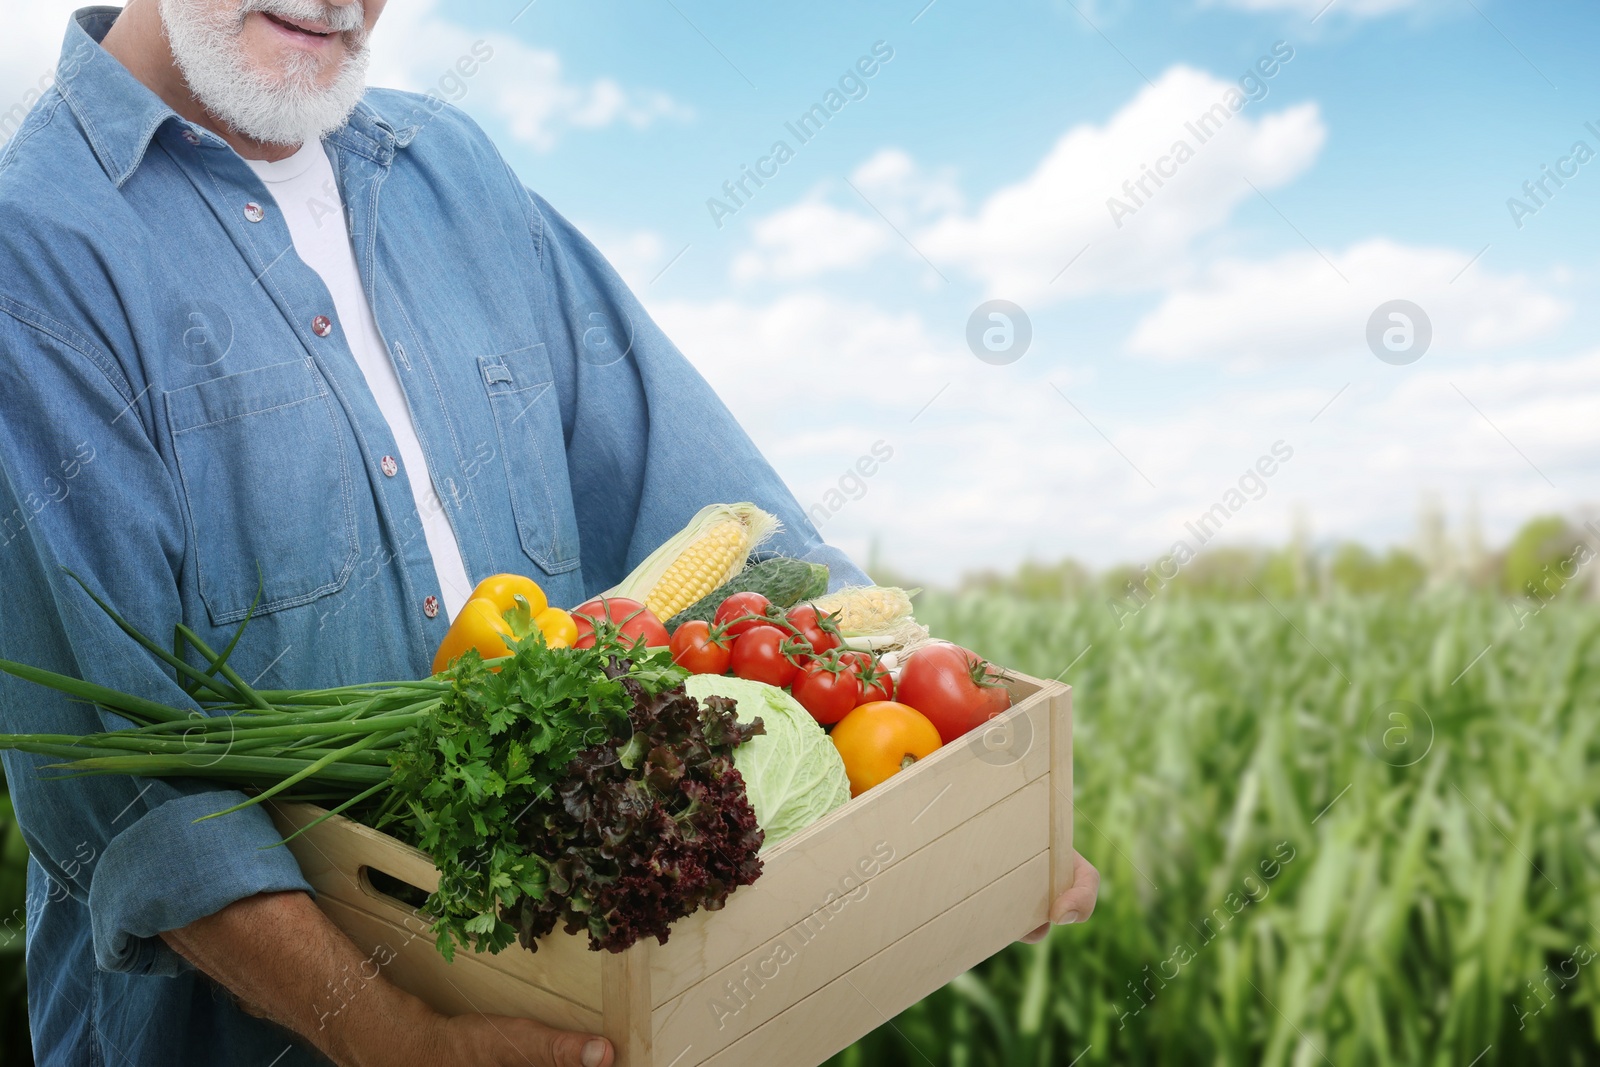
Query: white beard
x=282, y=107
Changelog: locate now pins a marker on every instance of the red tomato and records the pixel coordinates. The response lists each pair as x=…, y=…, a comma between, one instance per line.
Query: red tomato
x=628, y=617
x=953, y=687
x=876, y=682
x=817, y=629
x=732, y=613
x=760, y=655
x=696, y=648
x=828, y=689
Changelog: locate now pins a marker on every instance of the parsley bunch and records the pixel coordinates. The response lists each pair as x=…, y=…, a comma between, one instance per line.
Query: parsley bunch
x=574, y=784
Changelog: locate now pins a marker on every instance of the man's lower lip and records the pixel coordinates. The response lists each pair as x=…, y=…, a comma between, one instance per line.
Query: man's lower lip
x=300, y=37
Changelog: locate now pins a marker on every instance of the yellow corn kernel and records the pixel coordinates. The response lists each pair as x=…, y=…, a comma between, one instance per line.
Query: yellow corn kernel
x=710, y=561
x=867, y=609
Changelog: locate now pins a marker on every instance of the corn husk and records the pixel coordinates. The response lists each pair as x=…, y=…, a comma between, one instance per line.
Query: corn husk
x=757, y=525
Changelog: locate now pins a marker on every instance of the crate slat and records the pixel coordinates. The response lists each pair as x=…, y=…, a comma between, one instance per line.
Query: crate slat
x=909, y=892
x=464, y=986
x=625, y=978
x=1061, y=865
x=864, y=998
x=915, y=807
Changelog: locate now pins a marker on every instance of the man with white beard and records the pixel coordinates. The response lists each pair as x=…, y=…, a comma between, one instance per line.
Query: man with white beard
x=240, y=294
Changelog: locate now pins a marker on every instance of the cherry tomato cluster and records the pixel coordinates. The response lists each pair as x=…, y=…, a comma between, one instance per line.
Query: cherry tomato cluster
x=879, y=728
x=799, y=650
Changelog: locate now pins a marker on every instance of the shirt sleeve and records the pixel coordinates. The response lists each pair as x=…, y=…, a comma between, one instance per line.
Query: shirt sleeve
x=648, y=441
x=83, y=487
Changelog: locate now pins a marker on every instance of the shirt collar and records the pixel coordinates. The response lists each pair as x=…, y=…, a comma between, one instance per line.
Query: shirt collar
x=120, y=114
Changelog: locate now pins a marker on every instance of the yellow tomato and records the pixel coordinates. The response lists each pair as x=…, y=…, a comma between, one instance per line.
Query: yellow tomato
x=480, y=624
x=503, y=589
x=880, y=739
x=558, y=627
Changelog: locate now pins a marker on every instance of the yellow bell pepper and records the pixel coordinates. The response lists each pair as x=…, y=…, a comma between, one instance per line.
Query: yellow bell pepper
x=504, y=589
x=558, y=627
x=479, y=624
x=502, y=607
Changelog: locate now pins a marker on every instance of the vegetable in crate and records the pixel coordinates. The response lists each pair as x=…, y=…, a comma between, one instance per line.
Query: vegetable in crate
x=879, y=740
x=954, y=687
x=502, y=607
x=783, y=581
x=828, y=687
x=612, y=806
x=874, y=617
x=792, y=773
x=699, y=649
x=619, y=617
x=553, y=783
x=766, y=654
x=705, y=554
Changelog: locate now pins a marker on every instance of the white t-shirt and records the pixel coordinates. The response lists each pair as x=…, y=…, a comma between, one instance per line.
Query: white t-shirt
x=304, y=188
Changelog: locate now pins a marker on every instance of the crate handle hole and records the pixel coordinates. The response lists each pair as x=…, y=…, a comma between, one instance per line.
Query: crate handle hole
x=396, y=890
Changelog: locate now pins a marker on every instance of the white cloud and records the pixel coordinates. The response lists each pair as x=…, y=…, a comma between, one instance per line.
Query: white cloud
x=905, y=192
x=1018, y=240
x=810, y=238
x=999, y=467
x=806, y=358
x=1022, y=236
x=637, y=256
x=415, y=47
x=814, y=237
x=1297, y=306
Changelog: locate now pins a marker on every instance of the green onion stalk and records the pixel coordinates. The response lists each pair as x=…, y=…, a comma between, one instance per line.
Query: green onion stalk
x=333, y=746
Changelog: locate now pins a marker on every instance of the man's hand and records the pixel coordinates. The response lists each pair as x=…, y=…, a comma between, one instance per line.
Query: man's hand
x=1077, y=903
x=502, y=1041
x=287, y=962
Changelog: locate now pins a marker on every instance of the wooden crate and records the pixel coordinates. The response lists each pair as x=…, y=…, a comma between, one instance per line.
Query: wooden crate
x=853, y=919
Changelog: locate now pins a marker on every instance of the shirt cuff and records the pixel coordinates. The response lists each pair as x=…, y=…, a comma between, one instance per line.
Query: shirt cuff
x=166, y=871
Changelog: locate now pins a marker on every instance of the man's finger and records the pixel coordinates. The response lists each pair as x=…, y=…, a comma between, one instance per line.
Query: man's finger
x=1077, y=903
x=560, y=1048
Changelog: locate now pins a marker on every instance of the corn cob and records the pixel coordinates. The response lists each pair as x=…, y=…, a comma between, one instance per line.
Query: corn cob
x=702, y=556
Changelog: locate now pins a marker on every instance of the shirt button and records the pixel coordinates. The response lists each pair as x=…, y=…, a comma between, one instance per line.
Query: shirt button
x=254, y=212
x=430, y=606
x=321, y=326
x=388, y=466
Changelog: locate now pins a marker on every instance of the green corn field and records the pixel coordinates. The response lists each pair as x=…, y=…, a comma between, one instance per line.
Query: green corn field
x=1331, y=831
x=1341, y=831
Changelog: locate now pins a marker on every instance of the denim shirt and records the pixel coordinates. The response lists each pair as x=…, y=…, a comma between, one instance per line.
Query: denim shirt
x=180, y=415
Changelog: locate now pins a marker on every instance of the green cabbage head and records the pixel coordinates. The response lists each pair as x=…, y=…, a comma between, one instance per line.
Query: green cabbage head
x=792, y=773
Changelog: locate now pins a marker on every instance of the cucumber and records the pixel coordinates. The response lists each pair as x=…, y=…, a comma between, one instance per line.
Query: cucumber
x=785, y=582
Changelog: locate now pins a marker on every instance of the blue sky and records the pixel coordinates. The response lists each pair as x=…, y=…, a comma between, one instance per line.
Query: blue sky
x=1227, y=313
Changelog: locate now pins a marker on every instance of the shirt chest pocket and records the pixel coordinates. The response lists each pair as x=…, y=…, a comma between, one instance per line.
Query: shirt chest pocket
x=527, y=419
x=262, y=460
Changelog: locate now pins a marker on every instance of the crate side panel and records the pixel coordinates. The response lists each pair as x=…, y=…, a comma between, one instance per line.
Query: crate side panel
x=910, y=810
x=907, y=893
x=454, y=988
x=625, y=978
x=332, y=854
x=1061, y=854
x=862, y=999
